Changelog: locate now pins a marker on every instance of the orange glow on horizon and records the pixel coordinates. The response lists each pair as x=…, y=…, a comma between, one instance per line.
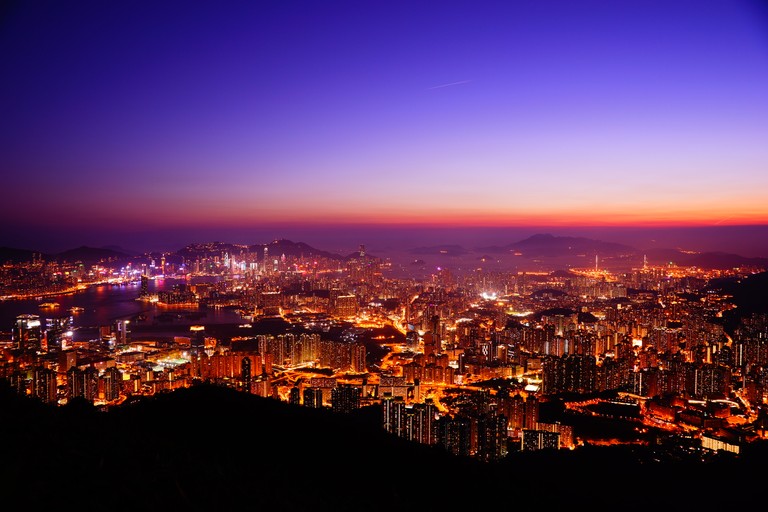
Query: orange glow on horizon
x=314, y=214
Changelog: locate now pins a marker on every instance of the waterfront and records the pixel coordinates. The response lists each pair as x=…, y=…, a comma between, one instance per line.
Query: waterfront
x=105, y=304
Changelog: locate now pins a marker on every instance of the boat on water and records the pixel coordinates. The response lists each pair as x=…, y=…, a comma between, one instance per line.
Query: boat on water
x=49, y=305
x=76, y=309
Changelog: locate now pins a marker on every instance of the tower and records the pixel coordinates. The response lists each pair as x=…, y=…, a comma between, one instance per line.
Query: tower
x=122, y=332
x=27, y=332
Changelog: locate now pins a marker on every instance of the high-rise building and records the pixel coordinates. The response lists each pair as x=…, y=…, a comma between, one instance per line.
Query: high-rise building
x=539, y=440
x=122, y=332
x=82, y=383
x=346, y=306
x=55, y=329
x=246, y=374
x=144, y=286
x=345, y=398
x=358, y=356
x=294, y=396
x=313, y=397
x=27, y=333
x=110, y=384
x=44, y=385
x=492, y=437
x=393, y=414
x=454, y=435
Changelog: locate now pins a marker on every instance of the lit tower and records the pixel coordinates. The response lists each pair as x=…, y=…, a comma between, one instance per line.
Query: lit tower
x=27, y=333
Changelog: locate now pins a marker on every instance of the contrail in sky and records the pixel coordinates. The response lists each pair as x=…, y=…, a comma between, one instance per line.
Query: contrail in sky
x=448, y=85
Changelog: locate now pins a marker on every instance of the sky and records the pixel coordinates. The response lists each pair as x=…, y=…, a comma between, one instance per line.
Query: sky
x=140, y=122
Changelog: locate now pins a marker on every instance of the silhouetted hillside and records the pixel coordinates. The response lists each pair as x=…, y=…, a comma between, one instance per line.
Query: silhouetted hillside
x=276, y=248
x=211, y=448
x=89, y=255
x=11, y=255
x=749, y=295
x=550, y=245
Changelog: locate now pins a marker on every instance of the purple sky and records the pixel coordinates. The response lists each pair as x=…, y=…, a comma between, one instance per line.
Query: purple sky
x=121, y=120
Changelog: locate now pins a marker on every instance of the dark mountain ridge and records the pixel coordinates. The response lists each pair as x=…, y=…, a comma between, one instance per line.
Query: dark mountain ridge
x=577, y=251
x=546, y=244
x=84, y=254
x=550, y=246
x=214, y=448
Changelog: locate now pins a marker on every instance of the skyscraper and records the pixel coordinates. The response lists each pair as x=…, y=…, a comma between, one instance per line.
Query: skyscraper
x=27, y=332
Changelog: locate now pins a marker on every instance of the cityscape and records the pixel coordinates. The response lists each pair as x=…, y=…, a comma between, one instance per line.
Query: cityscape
x=476, y=363
x=384, y=255
x=461, y=359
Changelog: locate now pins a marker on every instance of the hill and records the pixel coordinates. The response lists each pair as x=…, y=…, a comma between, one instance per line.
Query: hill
x=212, y=448
x=11, y=255
x=543, y=245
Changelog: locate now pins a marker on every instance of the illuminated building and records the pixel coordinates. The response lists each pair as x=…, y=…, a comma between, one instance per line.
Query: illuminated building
x=82, y=383
x=197, y=338
x=122, y=332
x=27, y=332
x=565, y=431
x=55, y=329
x=67, y=359
x=245, y=373
x=144, y=286
x=44, y=385
x=313, y=397
x=491, y=437
x=333, y=295
x=345, y=398
x=454, y=435
x=393, y=386
x=109, y=384
x=294, y=396
x=430, y=344
x=262, y=386
x=358, y=356
x=531, y=411
x=270, y=303
x=393, y=414
x=325, y=384
x=421, y=422
x=345, y=306
x=534, y=440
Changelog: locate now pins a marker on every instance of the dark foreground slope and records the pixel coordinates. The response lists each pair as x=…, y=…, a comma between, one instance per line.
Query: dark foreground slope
x=209, y=448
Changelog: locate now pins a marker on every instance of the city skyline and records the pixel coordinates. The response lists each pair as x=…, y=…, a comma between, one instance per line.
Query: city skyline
x=125, y=121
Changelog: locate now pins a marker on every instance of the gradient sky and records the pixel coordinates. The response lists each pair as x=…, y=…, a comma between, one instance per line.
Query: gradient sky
x=130, y=116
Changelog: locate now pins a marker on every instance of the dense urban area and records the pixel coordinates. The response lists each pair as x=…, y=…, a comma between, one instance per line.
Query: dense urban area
x=479, y=362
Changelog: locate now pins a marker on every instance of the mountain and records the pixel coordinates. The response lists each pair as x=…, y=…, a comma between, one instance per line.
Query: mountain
x=11, y=255
x=90, y=255
x=748, y=294
x=547, y=245
x=709, y=260
x=122, y=250
x=208, y=249
x=277, y=248
x=208, y=448
x=577, y=251
x=722, y=260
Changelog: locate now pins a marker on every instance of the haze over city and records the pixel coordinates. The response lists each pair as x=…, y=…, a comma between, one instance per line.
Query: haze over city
x=149, y=125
